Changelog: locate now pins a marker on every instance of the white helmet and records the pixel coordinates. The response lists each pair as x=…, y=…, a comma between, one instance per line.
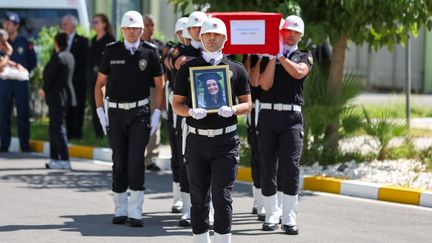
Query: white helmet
x=282, y=22
x=132, y=19
x=185, y=32
x=196, y=19
x=295, y=23
x=214, y=25
x=180, y=24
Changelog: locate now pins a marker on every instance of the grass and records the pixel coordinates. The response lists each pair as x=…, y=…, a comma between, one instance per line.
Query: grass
x=396, y=110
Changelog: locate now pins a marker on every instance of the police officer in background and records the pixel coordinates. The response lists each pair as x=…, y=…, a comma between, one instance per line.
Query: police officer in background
x=280, y=126
x=191, y=50
x=24, y=54
x=176, y=161
x=127, y=69
x=252, y=65
x=212, y=143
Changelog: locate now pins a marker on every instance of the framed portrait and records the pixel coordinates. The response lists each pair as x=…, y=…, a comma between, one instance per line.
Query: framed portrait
x=211, y=87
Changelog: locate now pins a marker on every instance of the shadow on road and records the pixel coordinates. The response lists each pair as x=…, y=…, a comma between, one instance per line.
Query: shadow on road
x=155, y=224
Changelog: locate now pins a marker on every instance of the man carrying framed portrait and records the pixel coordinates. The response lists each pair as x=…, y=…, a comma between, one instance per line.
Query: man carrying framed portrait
x=212, y=142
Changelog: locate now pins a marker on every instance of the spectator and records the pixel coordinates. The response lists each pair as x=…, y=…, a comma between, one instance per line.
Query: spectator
x=59, y=95
x=152, y=150
x=23, y=54
x=104, y=35
x=78, y=46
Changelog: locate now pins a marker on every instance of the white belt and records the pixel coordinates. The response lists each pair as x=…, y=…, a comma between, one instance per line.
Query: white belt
x=212, y=132
x=128, y=105
x=280, y=107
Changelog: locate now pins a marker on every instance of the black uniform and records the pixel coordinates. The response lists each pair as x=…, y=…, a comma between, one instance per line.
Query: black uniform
x=211, y=161
x=95, y=54
x=280, y=131
x=129, y=78
x=188, y=51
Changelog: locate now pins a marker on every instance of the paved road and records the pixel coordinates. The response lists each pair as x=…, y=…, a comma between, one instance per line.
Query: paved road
x=39, y=205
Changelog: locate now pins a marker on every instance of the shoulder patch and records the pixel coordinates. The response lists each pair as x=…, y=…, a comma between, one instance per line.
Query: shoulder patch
x=175, y=52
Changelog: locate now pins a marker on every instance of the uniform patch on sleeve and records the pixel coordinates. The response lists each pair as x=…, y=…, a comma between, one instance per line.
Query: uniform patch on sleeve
x=175, y=52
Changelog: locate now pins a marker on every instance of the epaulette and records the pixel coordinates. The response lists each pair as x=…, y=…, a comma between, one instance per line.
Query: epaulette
x=150, y=45
x=114, y=43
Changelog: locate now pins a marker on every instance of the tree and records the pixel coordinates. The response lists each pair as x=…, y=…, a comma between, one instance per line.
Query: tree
x=375, y=22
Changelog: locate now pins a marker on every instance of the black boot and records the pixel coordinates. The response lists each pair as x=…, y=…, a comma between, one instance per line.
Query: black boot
x=290, y=230
x=119, y=219
x=269, y=227
x=135, y=222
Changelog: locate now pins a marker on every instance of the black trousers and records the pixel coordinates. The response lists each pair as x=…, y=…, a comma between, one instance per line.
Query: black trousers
x=252, y=139
x=128, y=136
x=280, y=141
x=175, y=163
x=212, y=164
x=183, y=173
x=57, y=133
x=75, y=115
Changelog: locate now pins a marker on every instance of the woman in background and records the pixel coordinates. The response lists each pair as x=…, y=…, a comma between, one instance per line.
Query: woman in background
x=104, y=35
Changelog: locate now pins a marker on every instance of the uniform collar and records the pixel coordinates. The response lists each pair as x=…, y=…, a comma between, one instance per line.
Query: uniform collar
x=224, y=60
x=131, y=47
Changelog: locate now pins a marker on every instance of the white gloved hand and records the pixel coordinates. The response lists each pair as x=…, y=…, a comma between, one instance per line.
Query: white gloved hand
x=155, y=121
x=281, y=49
x=198, y=113
x=226, y=111
x=102, y=119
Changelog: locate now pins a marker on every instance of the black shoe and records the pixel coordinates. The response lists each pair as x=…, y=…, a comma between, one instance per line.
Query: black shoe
x=152, y=167
x=184, y=223
x=4, y=150
x=254, y=210
x=175, y=209
x=135, y=222
x=290, y=230
x=269, y=227
x=119, y=219
x=261, y=217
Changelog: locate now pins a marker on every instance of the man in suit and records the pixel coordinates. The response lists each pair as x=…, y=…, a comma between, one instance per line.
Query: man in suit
x=78, y=47
x=59, y=95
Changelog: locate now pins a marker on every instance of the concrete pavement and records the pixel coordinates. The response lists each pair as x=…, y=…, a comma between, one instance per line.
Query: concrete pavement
x=39, y=205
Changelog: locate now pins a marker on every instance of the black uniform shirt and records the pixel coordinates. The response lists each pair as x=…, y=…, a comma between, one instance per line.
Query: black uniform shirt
x=239, y=86
x=286, y=89
x=182, y=50
x=129, y=76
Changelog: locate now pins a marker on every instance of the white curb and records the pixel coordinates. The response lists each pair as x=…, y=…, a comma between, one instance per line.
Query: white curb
x=104, y=154
x=360, y=189
x=426, y=199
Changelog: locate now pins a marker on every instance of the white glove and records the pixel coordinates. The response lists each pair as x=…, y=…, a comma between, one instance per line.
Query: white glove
x=281, y=49
x=155, y=121
x=102, y=119
x=226, y=111
x=198, y=113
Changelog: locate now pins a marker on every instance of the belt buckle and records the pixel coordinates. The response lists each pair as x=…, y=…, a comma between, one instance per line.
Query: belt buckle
x=277, y=107
x=210, y=133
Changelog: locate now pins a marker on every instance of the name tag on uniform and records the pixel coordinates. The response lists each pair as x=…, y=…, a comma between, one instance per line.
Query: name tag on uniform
x=113, y=62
